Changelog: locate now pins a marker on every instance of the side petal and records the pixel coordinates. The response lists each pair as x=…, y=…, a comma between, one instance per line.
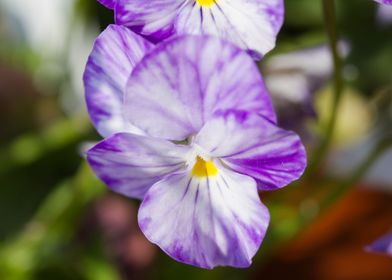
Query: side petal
x=184, y=81
x=208, y=222
x=114, y=55
x=108, y=3
x=251, y=145
x=130, y=164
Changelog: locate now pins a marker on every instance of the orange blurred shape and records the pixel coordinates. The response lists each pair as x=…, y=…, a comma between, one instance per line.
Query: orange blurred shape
x=332, y=248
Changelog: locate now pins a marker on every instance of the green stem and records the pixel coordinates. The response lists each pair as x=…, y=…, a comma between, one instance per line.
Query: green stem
x=331, y=29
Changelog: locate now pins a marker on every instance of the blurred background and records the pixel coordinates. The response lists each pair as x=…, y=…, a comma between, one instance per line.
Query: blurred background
x=57, y=220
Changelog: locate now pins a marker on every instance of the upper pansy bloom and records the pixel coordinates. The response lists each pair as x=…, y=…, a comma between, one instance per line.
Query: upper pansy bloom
x=197, y=139
x=250, y=24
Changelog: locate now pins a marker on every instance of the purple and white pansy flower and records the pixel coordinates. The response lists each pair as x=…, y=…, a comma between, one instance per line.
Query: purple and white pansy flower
x=193, y=135
x=252, y=25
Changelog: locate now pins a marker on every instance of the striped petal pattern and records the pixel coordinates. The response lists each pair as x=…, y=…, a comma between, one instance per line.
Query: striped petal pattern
x=115, y=53
x=174, y=90
x=208, y=222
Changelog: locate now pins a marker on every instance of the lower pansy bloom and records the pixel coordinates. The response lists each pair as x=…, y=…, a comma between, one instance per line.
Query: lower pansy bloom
x=208, y=143
x=252, y=25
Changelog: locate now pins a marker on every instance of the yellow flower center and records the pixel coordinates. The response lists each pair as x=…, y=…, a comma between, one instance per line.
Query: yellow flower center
x=207, y=3
x=204, y=168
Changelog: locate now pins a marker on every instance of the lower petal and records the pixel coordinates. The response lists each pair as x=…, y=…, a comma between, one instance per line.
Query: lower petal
x=208, y=222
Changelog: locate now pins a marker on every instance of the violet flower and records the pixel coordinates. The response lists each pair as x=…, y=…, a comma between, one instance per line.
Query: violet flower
x=383, y=245
x=252, y=25
x=195, y=138
x=293, y=79
x=386, y=2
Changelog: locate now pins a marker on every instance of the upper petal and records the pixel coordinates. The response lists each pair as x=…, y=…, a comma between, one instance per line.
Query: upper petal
x=108, y=3
x=183, y=82
x=251, y=25
x=252, y=145
x=208, y=222
x=130, y=164
x=114, y=55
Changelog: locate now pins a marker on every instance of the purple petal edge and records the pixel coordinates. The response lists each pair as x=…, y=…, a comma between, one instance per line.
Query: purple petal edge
x=110, y=4
x=115, y=53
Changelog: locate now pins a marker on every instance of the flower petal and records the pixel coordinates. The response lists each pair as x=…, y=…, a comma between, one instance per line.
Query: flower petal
x=108, y=3
x=153, y=19
x=383, y=245
x=115, y=53
x=386, y=2
x=184, y=81
x=251, y=25
x=251, y=145
x=130, y=164
x=208, y=222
